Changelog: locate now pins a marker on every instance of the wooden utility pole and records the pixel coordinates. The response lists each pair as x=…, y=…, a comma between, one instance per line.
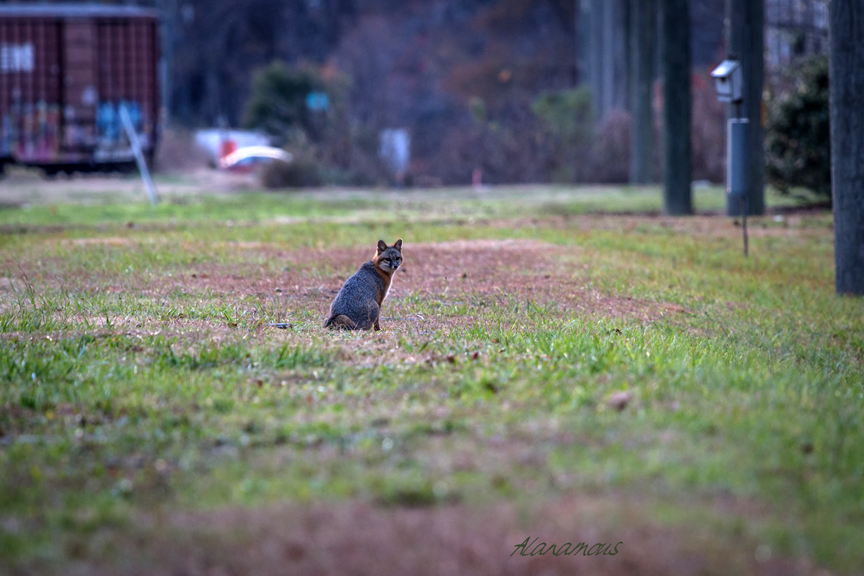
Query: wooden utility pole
x=677, y=150
x=745, y=37
x=846, y=25
x=643, y=24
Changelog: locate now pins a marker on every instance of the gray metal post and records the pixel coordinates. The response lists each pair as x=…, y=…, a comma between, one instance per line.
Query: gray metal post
x=737, y=172
x=737, y=164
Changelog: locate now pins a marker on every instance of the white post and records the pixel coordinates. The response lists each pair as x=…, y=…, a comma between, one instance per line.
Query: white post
x=139, y=155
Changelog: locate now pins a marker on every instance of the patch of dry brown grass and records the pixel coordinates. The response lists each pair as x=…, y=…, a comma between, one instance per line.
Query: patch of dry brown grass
x=359, y=538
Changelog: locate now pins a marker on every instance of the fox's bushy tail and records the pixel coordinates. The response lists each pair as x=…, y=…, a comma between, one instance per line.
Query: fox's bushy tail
x=340, y=321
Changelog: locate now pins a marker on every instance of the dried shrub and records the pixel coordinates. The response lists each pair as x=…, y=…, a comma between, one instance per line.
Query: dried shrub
x=610, y=151
x=504, y=152
x=299, y=173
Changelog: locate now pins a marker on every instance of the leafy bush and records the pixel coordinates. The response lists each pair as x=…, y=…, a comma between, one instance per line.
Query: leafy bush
x=326, y=148
x=277, y=103
x=567, y=114
x=798, y=145
x=567, y=121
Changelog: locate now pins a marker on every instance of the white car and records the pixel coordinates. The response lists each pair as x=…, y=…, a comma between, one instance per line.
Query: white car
x=247, y=158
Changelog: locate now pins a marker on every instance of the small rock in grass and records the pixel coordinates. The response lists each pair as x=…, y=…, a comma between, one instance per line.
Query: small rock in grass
x=619, y=400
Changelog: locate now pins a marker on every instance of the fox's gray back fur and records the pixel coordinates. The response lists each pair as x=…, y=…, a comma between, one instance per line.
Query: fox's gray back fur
x=357, y=298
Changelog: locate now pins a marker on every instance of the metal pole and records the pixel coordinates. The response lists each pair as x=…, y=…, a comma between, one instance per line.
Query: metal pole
x=737, y=171
x=139, y=155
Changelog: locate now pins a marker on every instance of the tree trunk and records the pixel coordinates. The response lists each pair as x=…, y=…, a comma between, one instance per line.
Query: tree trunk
x=642, y=35
x=847, y=142
x=578, y=43
x=595, y=57
x=609, y=77
x=746, y=41
x=677, y=151
x=607, y=61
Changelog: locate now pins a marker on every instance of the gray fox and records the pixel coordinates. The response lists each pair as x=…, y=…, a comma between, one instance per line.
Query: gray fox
x=358, y=304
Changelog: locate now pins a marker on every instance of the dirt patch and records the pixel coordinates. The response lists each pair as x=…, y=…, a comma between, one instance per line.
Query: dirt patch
x=494, y=271
x=467, y=281
x=12, y=285
x=363, y=539
x=504, y=270
x=113, y=241
x=470, y=279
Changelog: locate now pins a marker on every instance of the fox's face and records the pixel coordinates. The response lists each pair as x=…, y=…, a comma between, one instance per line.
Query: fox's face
x=388, y=258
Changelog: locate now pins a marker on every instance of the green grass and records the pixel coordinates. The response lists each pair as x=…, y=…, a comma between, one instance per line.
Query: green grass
x=354, y=205
x=126, y=386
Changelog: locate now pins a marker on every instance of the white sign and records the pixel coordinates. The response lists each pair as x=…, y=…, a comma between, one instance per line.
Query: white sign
x=16, y=57
x=396, y=148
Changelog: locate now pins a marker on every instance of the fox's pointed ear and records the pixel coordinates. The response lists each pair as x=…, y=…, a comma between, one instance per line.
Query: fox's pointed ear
x=398, y=245
x=382, y=246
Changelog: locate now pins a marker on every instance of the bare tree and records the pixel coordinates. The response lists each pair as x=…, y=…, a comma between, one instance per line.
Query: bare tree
x=847, y=142
x=607, y=57
x=677, y=149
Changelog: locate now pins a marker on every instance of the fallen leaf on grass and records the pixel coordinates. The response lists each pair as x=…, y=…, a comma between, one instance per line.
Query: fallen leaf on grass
x=619, y=400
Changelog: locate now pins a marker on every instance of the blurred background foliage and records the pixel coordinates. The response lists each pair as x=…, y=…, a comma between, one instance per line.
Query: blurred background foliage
x=798, y=139
x=499, y=87
x=277, y=103
x=480, y=85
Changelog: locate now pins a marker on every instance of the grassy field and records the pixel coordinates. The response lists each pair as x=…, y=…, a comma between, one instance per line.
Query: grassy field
x=554, y=364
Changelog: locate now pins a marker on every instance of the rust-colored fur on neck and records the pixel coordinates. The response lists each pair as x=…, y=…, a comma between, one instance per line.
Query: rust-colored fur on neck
x=387, y=276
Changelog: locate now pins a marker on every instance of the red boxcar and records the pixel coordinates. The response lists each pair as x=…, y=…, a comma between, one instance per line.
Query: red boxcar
x=65, y=71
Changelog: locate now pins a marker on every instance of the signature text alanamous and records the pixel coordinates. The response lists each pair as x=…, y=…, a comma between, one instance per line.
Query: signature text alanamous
x=568, y=549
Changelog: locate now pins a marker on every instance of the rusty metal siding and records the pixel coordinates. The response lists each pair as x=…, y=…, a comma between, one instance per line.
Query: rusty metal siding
x=63, y=79
x=127, y=69
x=79, y=83
x=29, y=88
